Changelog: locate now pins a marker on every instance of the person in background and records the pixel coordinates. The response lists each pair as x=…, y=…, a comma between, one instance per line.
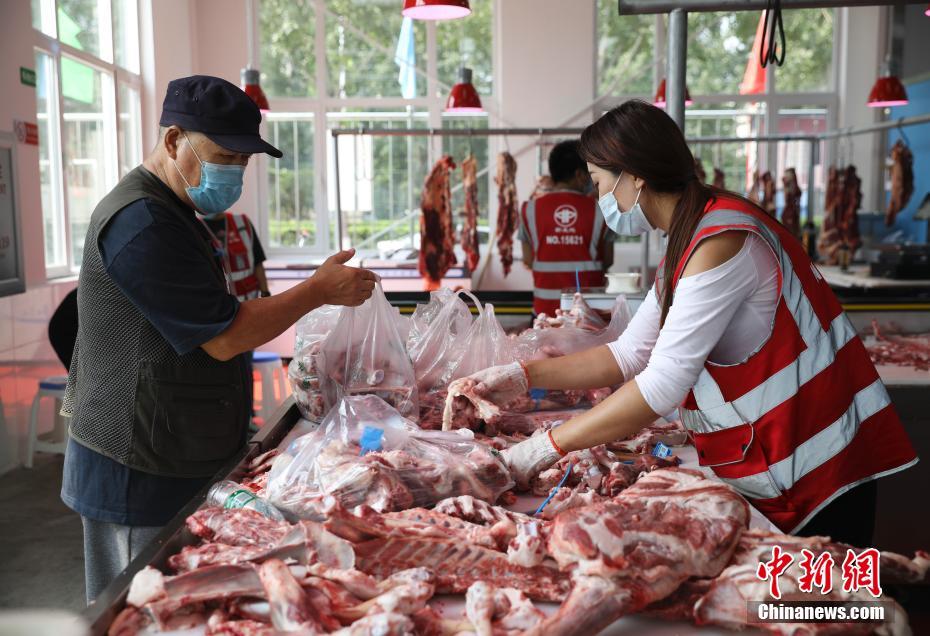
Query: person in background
x=242, y=251
x=564, y=237
x=158, y=384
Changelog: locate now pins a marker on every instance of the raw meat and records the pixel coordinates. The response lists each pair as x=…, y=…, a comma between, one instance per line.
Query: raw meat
x=841, y=219
x=469, y=240
x=719, y=179
x=904, y=351
x=668, y=433
x=768, y=193
x=506, y=208
x=384, y=546
x=851, y=202
x=791, y=213
x=437, y=236
x=292, y=609
x=544, y=185
x=902, y=180
x=496, y=611
x=410, y=468
x=640, y=546
x=606, y=469
x=699, y=171
x=753, y=193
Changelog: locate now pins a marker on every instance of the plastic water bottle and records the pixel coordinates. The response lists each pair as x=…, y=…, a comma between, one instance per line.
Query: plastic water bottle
x=230, y=495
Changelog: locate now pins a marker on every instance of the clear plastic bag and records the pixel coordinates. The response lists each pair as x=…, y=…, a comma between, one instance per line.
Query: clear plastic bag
x=535, y=344
x=404, y=467
x=436, y=337
x=485, y=344
x=364, y=354
x=305, y=369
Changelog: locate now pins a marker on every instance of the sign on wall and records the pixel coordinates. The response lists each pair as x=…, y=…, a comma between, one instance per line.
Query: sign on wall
x=12, y=279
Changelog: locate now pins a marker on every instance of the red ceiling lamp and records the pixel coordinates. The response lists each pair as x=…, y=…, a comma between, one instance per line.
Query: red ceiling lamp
x=659, y=99
x=463, y=98
x=887, y=89
x=436, y=9
x=253, y=88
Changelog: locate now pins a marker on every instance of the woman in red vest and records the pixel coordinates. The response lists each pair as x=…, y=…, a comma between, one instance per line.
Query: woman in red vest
x=740, y=333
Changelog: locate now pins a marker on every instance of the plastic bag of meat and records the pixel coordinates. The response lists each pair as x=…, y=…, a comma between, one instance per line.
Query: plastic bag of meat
x=438, y=329
x=365, y=354
x=365, y=452
x=535, y=344
x=304, y=370
x=485, y=344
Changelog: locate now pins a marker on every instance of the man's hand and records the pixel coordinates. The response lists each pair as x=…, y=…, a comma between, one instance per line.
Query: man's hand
x=528, y=458
x=339, y=284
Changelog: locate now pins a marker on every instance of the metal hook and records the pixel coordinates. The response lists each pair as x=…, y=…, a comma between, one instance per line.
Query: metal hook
x=901, y=132
x=471, y=136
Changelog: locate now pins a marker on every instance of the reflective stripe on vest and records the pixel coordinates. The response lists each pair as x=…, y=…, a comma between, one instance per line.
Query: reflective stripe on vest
x=240, y=256
x=792, y=436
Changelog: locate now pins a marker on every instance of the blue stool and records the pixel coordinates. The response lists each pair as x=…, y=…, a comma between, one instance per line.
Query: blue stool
x=56, y=440
x=275, y=387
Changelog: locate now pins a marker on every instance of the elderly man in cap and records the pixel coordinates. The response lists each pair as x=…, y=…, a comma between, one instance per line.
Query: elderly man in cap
x=158, y=386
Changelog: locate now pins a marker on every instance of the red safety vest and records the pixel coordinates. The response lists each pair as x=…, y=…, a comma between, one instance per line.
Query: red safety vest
x=240, y=257
x=806, y=417
x=566, y=230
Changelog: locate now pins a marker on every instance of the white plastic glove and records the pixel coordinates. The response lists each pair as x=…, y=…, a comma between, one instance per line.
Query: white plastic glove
x=501, y=384
x=530, y=457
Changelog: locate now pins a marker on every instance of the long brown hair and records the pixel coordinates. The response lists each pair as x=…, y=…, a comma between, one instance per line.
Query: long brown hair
x=644, y=141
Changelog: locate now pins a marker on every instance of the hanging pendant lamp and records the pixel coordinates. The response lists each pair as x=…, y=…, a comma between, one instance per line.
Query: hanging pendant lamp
x=251, y=84
x=435, y=9
x=463, y=98
x=887, y=91
x=659, y=99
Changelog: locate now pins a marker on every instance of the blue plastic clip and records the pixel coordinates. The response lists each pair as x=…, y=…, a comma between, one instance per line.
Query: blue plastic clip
x=371, y=439
x=536, y=395
x=661, y=450
x=559, y=485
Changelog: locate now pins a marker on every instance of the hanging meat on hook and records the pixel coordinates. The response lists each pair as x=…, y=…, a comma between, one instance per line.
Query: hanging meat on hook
x=850, y=204
x=719, y=179
x=902, y=180
x=753, y=194
x=699, y=171
x=437, y=236
x=791, y=213
x=768, y=193
x=507, y=207
x=469, y=239
x=830, y=239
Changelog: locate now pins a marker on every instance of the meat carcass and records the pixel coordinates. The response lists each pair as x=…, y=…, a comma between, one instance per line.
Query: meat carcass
x=506, y=207
x=495, y=611
x=768, y=193
x=668, y=433
x=699, y=171
x=437, y=236
x=753, y=193
x=469, y=239
x=384, y=547
x=544, y=185
x=720, y=180
x=640, y=546
x=902, y=180
x=791, y=213
x=904, y=351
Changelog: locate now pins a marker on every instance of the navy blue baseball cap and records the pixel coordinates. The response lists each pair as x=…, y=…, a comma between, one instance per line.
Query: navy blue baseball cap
x=218, y=109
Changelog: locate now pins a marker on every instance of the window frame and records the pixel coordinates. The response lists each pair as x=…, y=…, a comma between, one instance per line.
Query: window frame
x=772, y=100
x=318, y=107
x=112, y=76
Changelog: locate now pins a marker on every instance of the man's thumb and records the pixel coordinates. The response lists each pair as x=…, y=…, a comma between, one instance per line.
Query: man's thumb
x=342, y=257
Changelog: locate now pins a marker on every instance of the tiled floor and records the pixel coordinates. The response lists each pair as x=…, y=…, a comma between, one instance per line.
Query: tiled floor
x=41, y=560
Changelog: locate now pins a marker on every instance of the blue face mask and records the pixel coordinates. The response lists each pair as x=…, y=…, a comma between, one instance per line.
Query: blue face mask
x=631, y=223
x=220, y=185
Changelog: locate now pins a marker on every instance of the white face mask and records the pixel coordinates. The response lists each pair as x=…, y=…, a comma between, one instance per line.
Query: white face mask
x=631, y=223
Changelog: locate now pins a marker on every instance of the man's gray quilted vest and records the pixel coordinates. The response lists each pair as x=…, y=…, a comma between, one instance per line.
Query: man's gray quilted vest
x=130, y=396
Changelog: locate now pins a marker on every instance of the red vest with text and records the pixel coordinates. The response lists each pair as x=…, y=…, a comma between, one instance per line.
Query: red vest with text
x=566, y=231
x=806, y=417
x=240, y=257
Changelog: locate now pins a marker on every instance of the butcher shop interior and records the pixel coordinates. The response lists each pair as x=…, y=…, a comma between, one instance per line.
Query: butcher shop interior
x=438, y=317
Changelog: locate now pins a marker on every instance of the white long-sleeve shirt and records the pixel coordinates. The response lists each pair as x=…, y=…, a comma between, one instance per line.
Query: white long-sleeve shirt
x=723, y=315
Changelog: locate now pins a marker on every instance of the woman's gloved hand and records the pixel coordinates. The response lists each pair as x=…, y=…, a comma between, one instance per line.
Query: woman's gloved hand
x=501, y=384
x=530, y=457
